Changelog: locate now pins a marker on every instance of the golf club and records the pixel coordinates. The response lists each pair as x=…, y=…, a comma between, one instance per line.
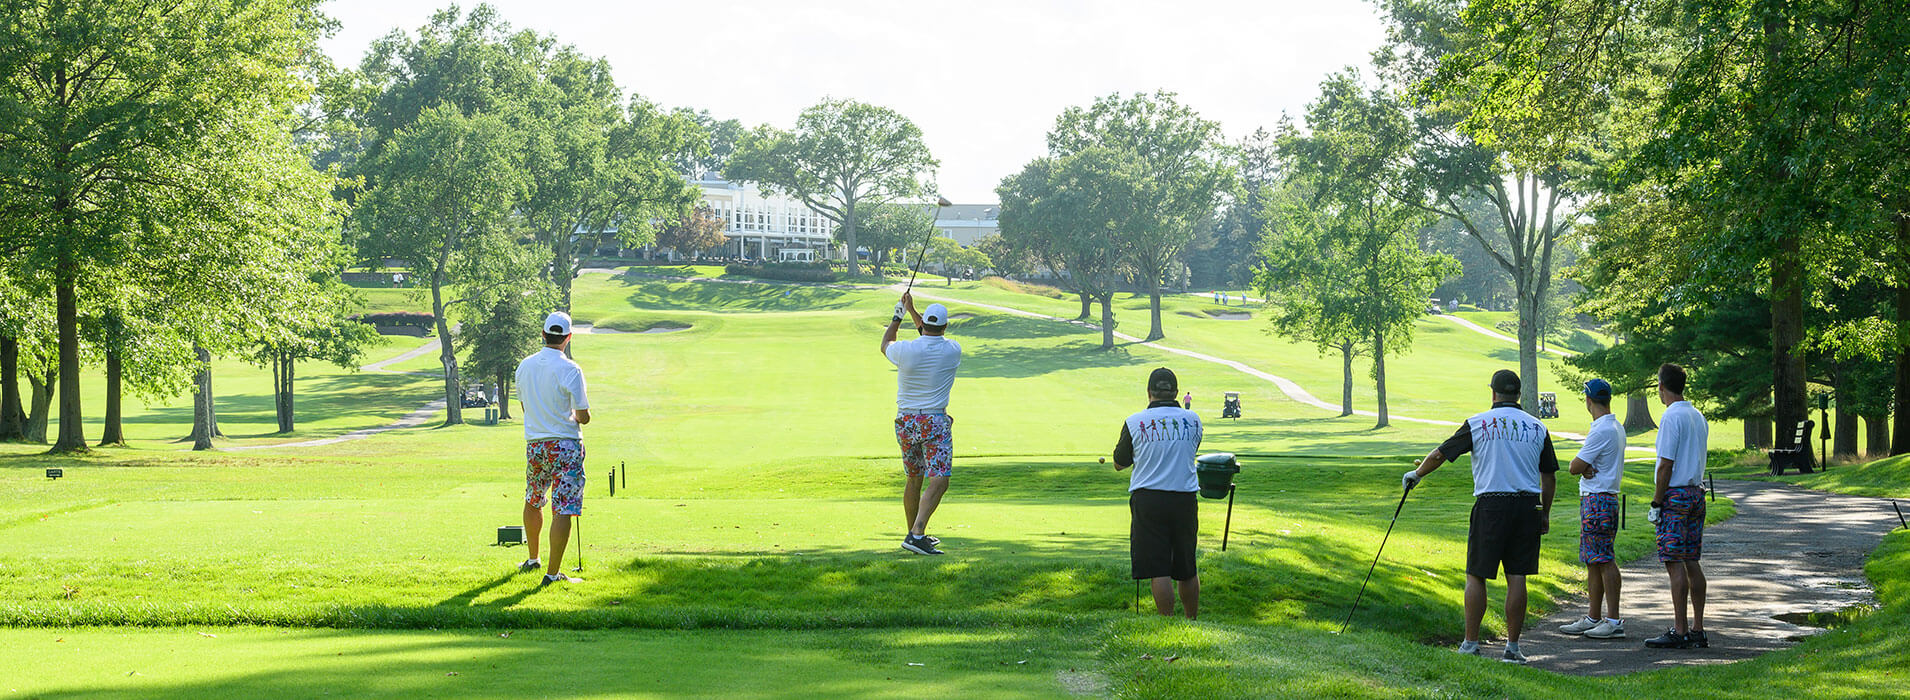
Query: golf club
x=577, y=526
x=1369, y=568
x=939, y=203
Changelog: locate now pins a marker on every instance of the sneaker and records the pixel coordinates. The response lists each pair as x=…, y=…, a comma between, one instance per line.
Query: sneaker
x=1697, y=639
x=1669, y=640
x=530, y=565
x=1607, y=629
x=937, y=541
x=1579, y=627
x=919, y=545
x=1512, y=655
x=1469, y=648
x=559, y=578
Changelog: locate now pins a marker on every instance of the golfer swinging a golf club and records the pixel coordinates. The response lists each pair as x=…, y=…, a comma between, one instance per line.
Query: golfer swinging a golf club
x=925, y=374
x=550, y=394
x=1512, y=480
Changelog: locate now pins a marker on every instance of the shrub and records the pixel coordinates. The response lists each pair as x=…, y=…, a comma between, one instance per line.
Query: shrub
x=791, y=272
x=416, y=319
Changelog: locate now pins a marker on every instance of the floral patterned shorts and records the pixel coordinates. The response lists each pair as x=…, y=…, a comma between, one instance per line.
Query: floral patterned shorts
x=928, y=443
x=1681, y=525
x=556, y=466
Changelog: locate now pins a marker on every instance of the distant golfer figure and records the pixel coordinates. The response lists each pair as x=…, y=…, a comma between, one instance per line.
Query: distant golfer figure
x=1164, y=515
x=550, y=393
x=1677, y=508
x=1600, y=467
x=1513, y=467
x=1187, y=401
x=925, y=374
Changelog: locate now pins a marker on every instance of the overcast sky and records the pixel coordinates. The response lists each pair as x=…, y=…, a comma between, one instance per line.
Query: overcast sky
x=984, y=80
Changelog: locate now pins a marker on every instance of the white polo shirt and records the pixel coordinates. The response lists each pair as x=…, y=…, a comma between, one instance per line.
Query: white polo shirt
x=925, y=372
x=1509, y=450
x=550, y=386
x=1161, y=442
x=1605, y=450
x=1683, y=438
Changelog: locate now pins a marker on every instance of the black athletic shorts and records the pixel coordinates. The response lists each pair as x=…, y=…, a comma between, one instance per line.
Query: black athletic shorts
x=1163, y=531
x=1505, y=529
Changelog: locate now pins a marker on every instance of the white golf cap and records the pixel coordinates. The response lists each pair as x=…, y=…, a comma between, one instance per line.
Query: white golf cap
x=557, y=323
x=936, y=315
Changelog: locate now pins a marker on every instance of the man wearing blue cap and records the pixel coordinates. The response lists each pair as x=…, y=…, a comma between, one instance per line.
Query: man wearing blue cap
x=925, y=374
x=1600, y=466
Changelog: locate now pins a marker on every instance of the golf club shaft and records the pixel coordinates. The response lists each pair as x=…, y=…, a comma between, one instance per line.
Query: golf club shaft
x=577, y=526
x=1375, y=564
x=926, y=239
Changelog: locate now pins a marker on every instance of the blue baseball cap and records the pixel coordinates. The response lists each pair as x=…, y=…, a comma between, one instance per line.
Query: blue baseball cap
x=1598, y=389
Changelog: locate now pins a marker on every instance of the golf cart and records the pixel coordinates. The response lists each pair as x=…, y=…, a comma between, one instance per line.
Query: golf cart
x=474, y=397
x=1230, y=408
x=1548, y=405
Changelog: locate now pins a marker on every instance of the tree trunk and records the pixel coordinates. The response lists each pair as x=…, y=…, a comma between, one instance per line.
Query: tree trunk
x=42, y=406
x=72, y=429
x=1900, y=433
x=1107, y=321
x=1528, y=349
x=1154, y=331
x=1757, y=433
x=1844, y=441
x=503, y=396
x=1790, y=402
x=282, y=374
x=1087, y=307
x=113, y=434
x=562, y=264
x=1379, y=377
x=447, y=355
x=1346, y=379
x=205, y=421
x=1638, y=414
x=13, y=422
x=1877, y=436
x=849, y=236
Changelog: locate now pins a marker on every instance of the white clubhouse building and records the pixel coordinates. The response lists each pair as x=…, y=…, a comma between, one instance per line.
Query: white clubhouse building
x=763, y=226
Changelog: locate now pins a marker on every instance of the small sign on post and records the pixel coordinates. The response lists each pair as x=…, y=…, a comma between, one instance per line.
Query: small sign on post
x=55, y=472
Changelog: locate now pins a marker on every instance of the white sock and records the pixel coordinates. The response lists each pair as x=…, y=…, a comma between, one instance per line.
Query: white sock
x=1511, y=647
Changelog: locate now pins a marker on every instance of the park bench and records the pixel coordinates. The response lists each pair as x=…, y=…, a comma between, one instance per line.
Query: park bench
x=1798, y=455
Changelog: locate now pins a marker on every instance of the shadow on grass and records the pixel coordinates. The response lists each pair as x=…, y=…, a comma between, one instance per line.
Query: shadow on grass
x=720, y=297
x=1019, y=362
x=1001, y=327
x=371, y=394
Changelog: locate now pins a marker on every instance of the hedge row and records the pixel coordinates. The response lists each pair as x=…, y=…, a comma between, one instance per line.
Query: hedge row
x=399, y=318
x=792, y=272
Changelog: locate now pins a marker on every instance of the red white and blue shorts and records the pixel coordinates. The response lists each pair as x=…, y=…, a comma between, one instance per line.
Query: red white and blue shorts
x=1597, y=526
x=557, y=467
x=928, y=443
x=1681, y=524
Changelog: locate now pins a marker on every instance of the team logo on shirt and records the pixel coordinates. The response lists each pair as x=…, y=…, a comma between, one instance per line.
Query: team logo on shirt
x=1508, y=429
x=1168, y=429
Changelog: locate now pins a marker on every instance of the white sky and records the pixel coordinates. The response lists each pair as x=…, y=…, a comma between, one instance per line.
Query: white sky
x=984, y=80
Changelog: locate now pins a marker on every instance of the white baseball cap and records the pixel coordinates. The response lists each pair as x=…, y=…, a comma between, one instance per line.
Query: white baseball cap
x=936, y=315
x=557, y=323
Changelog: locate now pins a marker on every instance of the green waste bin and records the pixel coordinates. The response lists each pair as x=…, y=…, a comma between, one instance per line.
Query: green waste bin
x=1216, y=473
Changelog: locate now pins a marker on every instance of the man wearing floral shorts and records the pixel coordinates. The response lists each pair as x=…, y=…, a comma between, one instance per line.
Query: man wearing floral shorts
x=925, y=374
x=551, y=396
x=1600, y=466
x=1677, y=508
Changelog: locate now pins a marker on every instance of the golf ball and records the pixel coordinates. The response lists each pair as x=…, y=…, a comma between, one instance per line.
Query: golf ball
x=1104, y=460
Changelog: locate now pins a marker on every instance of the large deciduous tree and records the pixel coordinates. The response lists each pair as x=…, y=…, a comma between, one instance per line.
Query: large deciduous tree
x=841, y=155
x=1063, y=212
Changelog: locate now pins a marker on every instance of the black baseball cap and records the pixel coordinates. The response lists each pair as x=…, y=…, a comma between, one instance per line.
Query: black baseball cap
x=1506, y=382
x=1163, y=381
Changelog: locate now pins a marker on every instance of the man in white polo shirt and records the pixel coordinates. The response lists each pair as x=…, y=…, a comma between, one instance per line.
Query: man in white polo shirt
x=1164, y=515
x=1512, y=481
x=925, y=374
x=1677, y=508
x=550, y=393
x=1600, y=466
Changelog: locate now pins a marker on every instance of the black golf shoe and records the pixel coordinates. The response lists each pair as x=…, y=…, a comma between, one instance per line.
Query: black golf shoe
x=1697, y=639
x=1669, y=640
x=919, y=545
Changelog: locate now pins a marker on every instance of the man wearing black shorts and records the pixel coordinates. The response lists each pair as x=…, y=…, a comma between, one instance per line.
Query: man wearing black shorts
x=1512, y=482
x=1160, y=443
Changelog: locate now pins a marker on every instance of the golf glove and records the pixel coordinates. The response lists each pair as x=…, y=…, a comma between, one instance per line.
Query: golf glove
x=1410, y=480
x=1653, y=515
x=898, y=312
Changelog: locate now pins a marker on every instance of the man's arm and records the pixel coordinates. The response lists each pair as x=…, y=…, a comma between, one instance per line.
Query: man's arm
x=1582, y=468
x=1459, y=444
x=1124, y=450
x=1661, y=482
x=1548, y=482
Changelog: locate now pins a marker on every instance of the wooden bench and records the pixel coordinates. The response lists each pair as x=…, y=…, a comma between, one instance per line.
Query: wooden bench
x=1798, y=455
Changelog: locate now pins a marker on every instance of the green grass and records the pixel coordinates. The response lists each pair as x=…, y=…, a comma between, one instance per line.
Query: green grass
x=753, y=552
x=1885, y=478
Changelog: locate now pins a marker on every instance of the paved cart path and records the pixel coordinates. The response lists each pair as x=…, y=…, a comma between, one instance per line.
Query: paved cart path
x=410, y=420
x=1787, y=550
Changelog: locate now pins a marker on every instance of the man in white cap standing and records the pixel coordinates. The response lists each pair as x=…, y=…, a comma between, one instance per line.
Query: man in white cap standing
x=550, y=394
x=925, y=373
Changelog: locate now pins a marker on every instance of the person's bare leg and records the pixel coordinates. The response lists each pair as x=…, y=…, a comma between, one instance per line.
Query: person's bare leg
x=1190, y=597
x=1613, y=582
x=1680, y=589
x=1475, y=606
x=911, y=501
x=1594, y=589
x=533, y=526
x=559, y=538
x=931, y=498
x=1694, y=577
x=1514, y=607
x=1163, y=590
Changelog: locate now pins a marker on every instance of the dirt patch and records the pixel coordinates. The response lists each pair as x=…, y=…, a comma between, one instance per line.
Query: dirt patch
x=667, y=327
x=1230, y=315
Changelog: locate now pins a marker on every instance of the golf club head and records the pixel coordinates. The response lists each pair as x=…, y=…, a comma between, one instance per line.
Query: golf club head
x=942, y=202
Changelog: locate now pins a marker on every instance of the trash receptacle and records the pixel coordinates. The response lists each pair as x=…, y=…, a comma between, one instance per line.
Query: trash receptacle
x=1216, y=473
